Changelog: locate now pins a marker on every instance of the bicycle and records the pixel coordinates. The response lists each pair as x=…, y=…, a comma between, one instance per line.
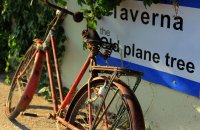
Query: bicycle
x=104, y=102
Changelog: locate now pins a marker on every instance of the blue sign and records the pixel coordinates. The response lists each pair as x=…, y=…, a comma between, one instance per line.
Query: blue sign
x=157, y=41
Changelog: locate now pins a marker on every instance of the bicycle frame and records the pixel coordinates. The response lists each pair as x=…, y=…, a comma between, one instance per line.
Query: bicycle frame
x=42, y=52
x=75, y=83
x=90, y=62
x=37, y=69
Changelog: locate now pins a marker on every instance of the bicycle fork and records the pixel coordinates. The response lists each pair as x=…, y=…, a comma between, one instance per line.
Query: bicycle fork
x=35, y=76
x=42, y=51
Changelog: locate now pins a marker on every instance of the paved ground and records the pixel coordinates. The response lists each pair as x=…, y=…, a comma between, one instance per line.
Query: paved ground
x=39, y=106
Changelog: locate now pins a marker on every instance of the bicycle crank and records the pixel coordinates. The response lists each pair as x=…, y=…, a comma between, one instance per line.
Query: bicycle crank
x=49, y=115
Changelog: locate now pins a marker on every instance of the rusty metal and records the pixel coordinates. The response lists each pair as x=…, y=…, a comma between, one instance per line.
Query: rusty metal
x=120, y=71
x=67, y=124
x=39, y=55
x=137, y=115
x=50, y=73
x=104, y=112
x=89, y=96
x=76, y=82
x=37, y=42
x=103, y=101
x=105, y=117
x=29, y=114
x=25, y=69
x=94, y=46
x=57, y=68
x=33, y=81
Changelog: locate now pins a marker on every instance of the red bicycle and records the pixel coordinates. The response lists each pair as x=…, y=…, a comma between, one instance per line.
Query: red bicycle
x=104, y=102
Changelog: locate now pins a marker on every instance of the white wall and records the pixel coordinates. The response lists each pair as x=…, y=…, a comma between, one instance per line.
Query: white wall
x=163, y=108
x=166, y=109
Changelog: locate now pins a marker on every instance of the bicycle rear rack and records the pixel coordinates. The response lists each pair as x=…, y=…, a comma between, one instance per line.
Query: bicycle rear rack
x=120, y=71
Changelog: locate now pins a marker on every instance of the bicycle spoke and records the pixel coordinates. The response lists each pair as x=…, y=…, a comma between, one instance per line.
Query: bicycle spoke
x=28, y=64
x=118, y=119
x=111, y=112
x=19, y=87
x=84, y=118
x=105, y=117
x=121, y=125
x=19, y=83
x=104, y=112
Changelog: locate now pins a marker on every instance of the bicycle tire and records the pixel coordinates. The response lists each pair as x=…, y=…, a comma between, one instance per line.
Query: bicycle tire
x=14, y=103
x=130, y=118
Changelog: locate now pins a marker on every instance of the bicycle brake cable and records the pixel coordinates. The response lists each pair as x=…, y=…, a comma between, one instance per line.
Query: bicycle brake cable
x=49, y=26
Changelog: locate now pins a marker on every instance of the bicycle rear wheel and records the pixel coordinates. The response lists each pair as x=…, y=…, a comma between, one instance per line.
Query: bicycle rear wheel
x=121, y=113
x=23, y=74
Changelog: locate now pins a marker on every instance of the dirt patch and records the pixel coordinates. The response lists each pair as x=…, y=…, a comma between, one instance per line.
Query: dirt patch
x=38, y=105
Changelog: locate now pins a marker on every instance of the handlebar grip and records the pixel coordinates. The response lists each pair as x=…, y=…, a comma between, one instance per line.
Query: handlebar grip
x=58, y=7
x=78, y=16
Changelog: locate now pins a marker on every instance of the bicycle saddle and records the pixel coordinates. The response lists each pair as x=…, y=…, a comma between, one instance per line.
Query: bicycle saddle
x=90, y=36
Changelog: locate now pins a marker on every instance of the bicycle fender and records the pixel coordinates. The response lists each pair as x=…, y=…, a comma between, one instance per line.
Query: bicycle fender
x=137, y=117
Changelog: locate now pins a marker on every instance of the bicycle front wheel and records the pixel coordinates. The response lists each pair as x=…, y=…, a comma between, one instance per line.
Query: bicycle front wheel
x=115, y=112
x=23, y=74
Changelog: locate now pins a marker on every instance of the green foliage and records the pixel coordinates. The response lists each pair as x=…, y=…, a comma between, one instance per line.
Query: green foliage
x=21, y=22
x=96, y=9
x=61, y=2
x=46, y=92
x=93, y=9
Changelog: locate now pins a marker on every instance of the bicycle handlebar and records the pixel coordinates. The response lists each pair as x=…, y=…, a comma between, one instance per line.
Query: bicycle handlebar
x=78, y=16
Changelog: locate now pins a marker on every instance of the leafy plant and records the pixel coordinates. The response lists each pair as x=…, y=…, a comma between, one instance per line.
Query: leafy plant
x=46, y=92
x=97, y=9
x=21, y=22
x=93, y=9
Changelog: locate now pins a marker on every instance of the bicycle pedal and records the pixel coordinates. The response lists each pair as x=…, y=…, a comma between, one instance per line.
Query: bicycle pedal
x=37, y=115
x=29, y=114
x=50, y=116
